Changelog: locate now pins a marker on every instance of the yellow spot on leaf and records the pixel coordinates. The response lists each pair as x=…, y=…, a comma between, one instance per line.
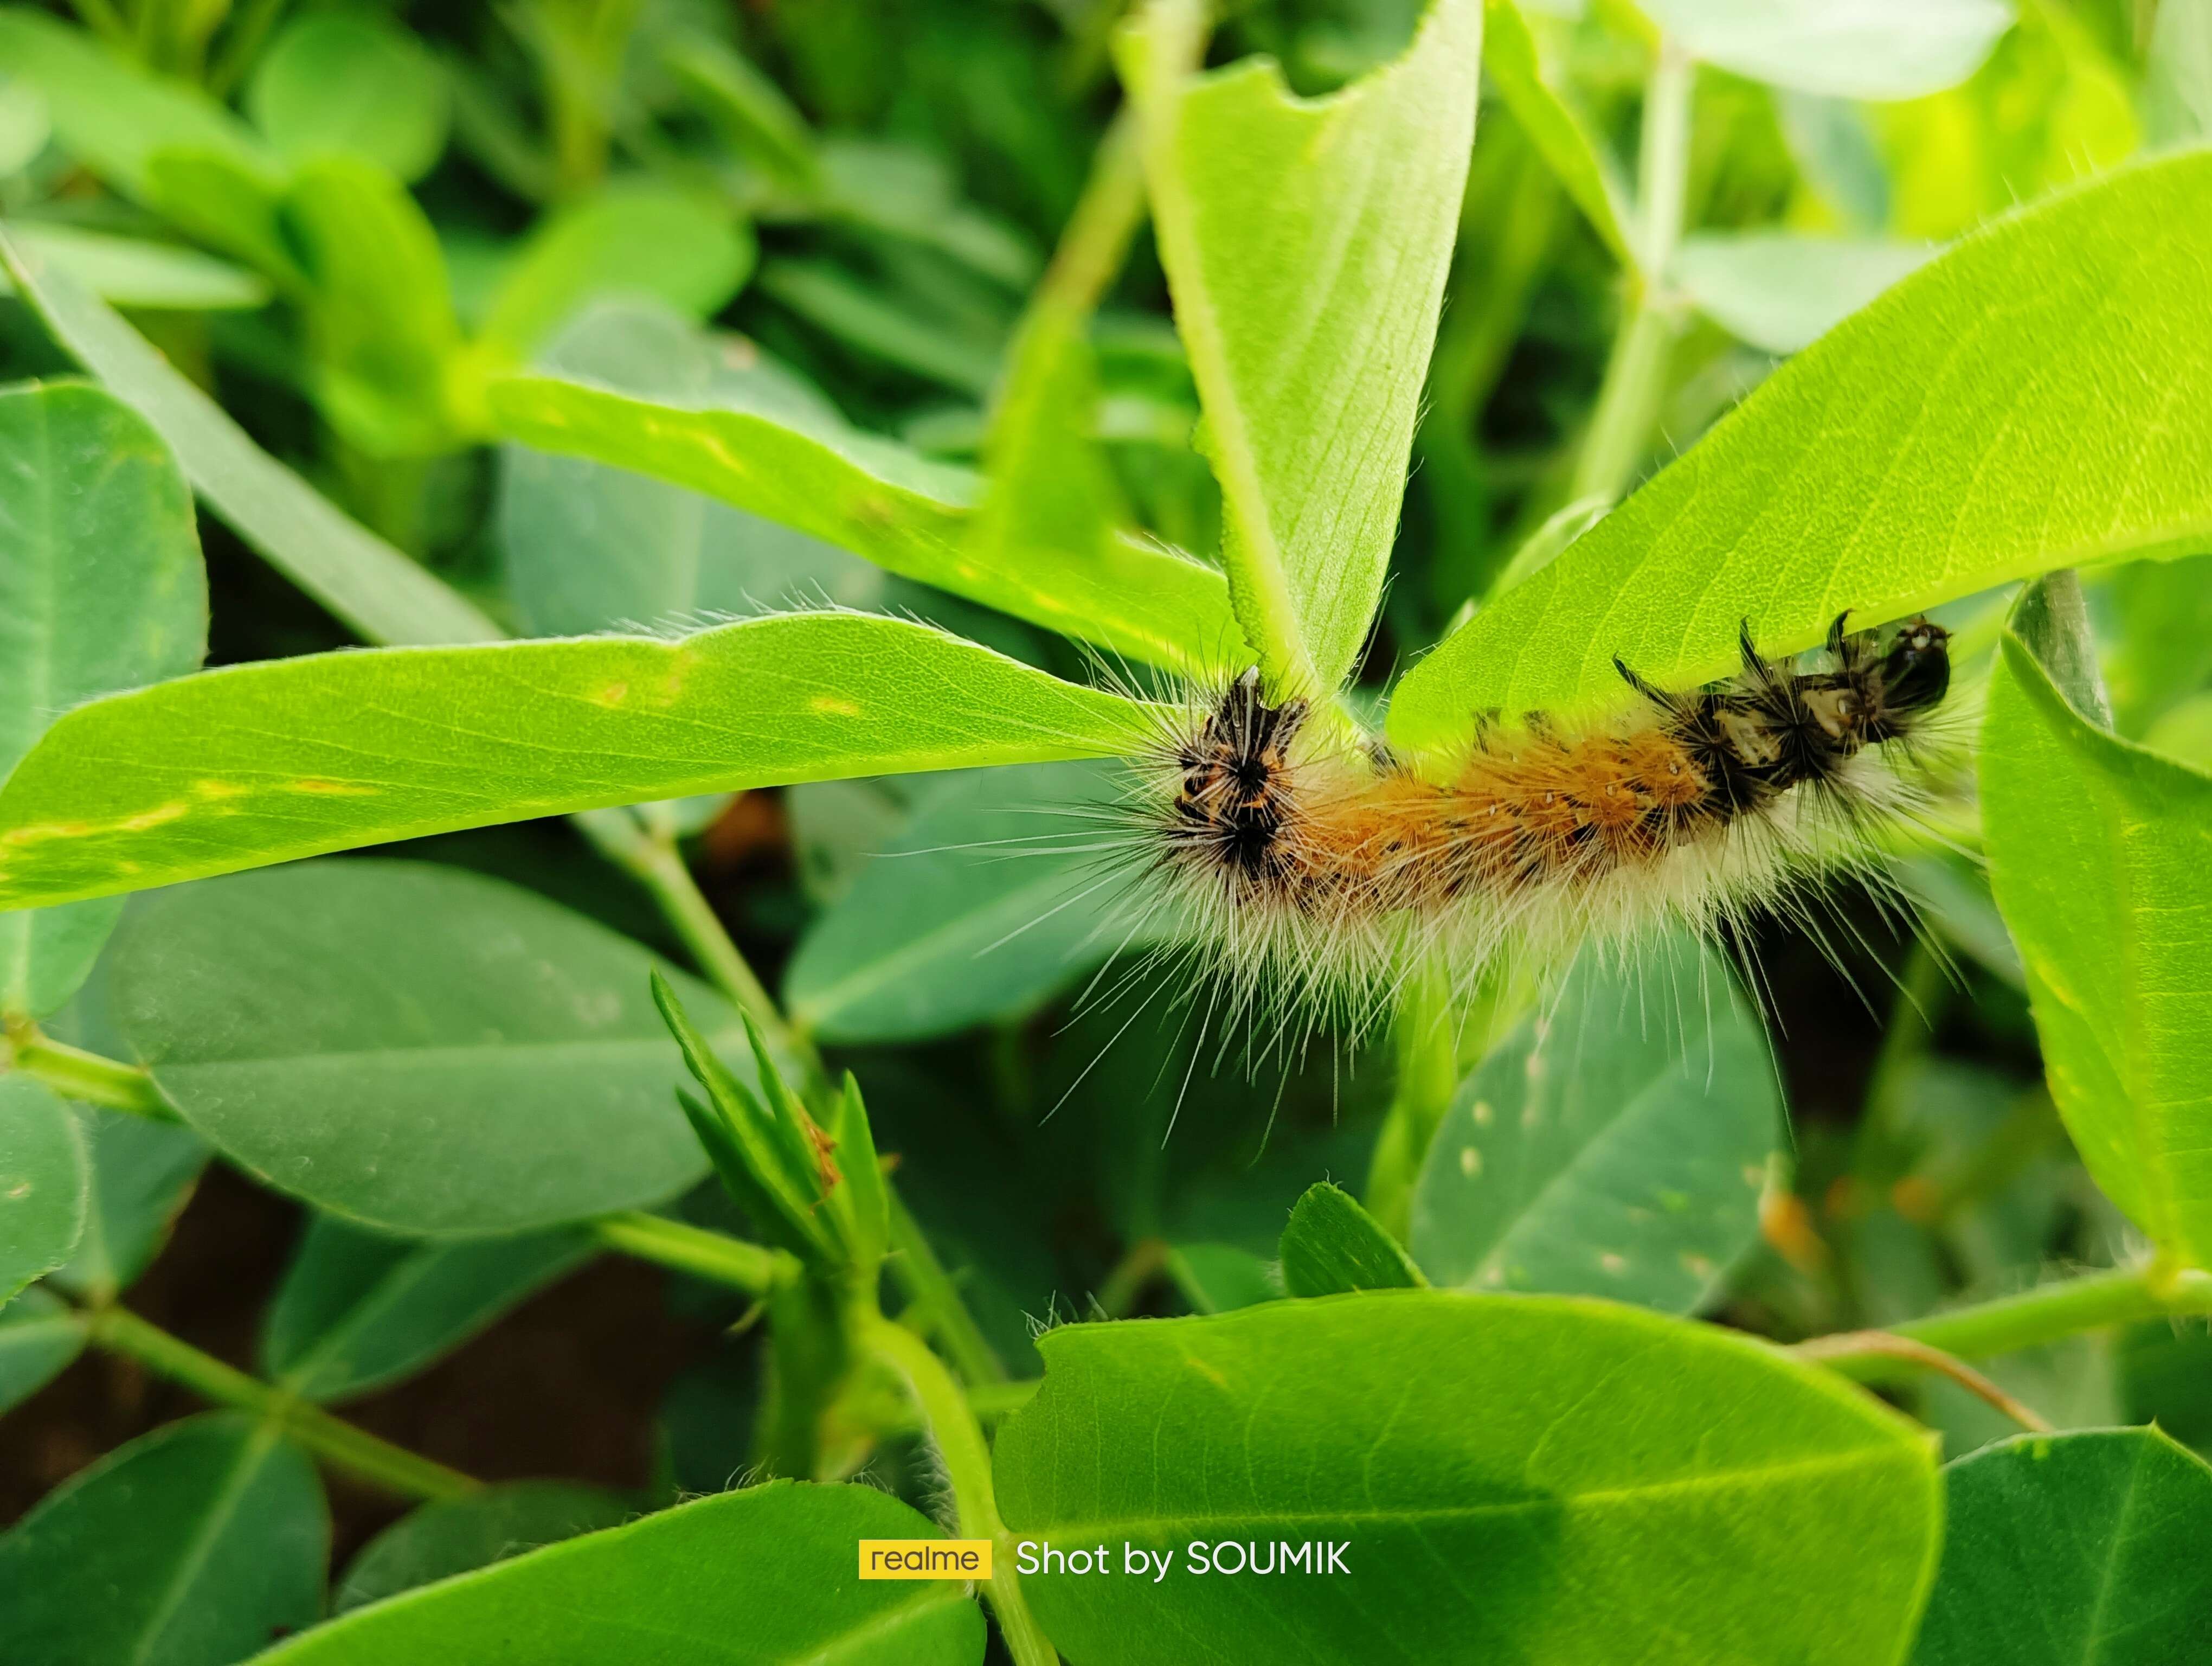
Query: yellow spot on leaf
x=342, y=789
x=831, y=706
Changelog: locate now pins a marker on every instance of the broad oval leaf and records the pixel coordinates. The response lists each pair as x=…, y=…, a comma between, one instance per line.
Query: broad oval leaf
x=768, y=1576
x=143, y=1173
x=1601, y=1485
x=2100, y=856
x=2073, y=1550
x=477, y=1062
x=908, y=515
x=1306, y=245
x=989, y=901
x=1615, y=1144
x=1937, y=443
x=351, y=84
x=1782, y=292
x=456, y=1535
x=193, y=1545
x=40, y=1334
x=1860, y=49
x=357, y=1310
x=42, y=1183
x=259, y=763
x=101, y=589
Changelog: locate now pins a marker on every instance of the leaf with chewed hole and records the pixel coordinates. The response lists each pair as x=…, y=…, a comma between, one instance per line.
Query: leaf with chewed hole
x=259, y=763
x=1930, y=446
x=1615, y=1144
x=1306, y=244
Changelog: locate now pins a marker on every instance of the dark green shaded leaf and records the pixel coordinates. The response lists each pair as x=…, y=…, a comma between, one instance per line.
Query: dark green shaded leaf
x=193, y=1545
x=763, y=1577
x=1616, y=1143
x=358, y=1309
x=143, y=1173
x=42, y=1177
x=478, y=1060
x=2073, y=1550
x=1333, y=1245
x=456, y=1535
x=40, y=1334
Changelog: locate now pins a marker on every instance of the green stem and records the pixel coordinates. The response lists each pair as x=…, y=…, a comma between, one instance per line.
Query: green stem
x=754, y=1268
x=655, y=863
x=87, y=1078
x=1426, y=1041
x=2095, y=1301
x=936, y=1298
x=1131, y=1275
x=959, y=1437
x=1635, y=374
x=357, y=1451
x=997, y=1400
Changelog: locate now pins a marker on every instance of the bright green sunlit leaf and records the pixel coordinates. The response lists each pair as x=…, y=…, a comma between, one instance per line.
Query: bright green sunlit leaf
x=253, y=765
x=1862, y=48
x=1931, y=445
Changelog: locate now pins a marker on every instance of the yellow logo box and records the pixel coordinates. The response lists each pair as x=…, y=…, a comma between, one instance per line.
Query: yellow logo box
x=925, y=1559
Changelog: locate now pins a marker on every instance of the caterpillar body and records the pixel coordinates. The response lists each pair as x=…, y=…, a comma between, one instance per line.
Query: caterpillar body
x=1320, y=875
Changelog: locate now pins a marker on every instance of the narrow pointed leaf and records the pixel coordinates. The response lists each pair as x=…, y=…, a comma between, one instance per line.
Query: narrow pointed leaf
x=1560, y=133
x=1933, y=445
x=1306, y=245
x=899, y=510
x=260, y=764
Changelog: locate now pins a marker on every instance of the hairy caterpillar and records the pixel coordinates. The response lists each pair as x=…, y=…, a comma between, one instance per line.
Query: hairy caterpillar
x=1320, y=874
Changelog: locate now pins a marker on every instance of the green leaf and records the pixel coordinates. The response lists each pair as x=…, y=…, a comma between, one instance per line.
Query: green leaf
x=363, y=580
x=1560, y=132
x=382, y=335
x=193, y=1545
x=747, y=105
x=2073, y=1550
x=132, y=272
x=2101, y=855
x=458, y=1536
x=1866, y=49
x=1220, y=1278
x=259, y=763
x=101, y=589
x=358, y=1309
x=627, y=240
x=863, y=1197
x=477, y=1060
x=1782, y=292
x=112, y=115
x=1306, y=245
x=349, y=83
x=1934, y=444
x=872, y=324
x=1602, y=1486
x=760, y=1144
x=589, y=548
x=143, y=1174
x=1333, y=1245
x=1615, y=1144
x=2177, y=76
x=887, y=504
x=42, y=1183
x=767, y=1577
x=39, y=1335
x=988, y=902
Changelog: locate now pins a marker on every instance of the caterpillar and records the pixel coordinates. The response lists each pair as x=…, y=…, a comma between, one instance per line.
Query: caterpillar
x=1320, y=873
